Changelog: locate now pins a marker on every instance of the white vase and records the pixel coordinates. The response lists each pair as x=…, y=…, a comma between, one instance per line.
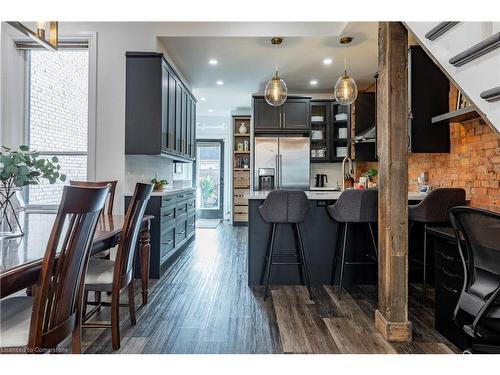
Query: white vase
x=243, y=128
x=11, y=206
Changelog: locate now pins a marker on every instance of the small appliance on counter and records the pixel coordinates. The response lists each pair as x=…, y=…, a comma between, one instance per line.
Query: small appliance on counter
x=266, y=178
x=320, y=180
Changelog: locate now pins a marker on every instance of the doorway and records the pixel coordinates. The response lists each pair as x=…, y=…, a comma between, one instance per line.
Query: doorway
x=209, y=178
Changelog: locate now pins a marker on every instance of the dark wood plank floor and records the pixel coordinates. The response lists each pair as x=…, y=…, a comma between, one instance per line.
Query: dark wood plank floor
x=203, y=305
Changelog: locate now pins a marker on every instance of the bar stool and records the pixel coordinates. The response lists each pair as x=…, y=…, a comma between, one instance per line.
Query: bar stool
x=286, y=207
x=434, y=209
x=353, y=206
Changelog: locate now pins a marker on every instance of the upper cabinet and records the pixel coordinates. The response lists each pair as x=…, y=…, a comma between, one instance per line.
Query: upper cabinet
x=365, y=146
x=160, y=114
x=293, y=115
x=429, y=91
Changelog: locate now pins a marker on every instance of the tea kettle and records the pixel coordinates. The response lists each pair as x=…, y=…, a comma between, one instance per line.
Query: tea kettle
x=320, y=180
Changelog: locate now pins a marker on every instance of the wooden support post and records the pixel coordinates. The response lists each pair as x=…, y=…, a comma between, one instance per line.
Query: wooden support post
x=391, y=318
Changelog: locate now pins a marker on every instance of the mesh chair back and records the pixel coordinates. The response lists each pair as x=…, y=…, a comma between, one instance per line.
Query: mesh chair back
x=480, y=230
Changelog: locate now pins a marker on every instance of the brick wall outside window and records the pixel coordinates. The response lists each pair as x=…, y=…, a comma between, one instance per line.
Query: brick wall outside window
x=58, y=114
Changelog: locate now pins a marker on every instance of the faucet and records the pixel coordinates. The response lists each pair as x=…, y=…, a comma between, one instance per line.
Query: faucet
x=350, y=171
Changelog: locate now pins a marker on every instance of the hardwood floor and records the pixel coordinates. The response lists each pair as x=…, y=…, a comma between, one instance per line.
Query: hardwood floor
x=203, y=305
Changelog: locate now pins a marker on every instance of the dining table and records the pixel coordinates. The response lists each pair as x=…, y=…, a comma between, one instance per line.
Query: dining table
x=21, y=257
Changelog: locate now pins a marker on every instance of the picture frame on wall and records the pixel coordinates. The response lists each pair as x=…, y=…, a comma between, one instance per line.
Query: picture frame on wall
x=461, y=101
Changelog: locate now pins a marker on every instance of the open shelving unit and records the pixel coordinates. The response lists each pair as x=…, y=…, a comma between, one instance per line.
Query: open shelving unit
x=325, y=131
x=241, y=169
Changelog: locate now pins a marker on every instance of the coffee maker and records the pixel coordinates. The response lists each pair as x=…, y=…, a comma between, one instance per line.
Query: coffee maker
x=266, y=178
x=320, y=180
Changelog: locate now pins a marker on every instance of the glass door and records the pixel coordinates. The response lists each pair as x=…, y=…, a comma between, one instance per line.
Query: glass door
x=209, y=178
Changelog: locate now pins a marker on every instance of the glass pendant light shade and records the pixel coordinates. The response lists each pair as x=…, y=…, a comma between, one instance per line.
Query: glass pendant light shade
x=276, y=91
x=346, y=90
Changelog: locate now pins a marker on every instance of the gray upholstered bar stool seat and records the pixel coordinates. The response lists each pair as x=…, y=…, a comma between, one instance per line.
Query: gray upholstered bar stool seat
x=434, y=209
x=285, y=207
x=354, y=206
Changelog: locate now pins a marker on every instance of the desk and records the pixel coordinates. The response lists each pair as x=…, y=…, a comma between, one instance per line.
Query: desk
x=21, y=258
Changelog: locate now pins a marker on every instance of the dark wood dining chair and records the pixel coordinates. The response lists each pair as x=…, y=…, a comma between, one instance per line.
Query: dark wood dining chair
x=107, y=210
x=40, y=323
x=105, y=275
x=112, y=187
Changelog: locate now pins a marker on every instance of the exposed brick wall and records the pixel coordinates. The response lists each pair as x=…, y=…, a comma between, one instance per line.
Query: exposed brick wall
x=59, y=114
x=473, y=163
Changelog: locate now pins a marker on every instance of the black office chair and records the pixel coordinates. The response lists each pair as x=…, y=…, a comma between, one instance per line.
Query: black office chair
x=480, y=296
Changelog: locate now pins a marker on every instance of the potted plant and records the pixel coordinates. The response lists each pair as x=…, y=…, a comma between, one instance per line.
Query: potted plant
x=19, y=168
x=371, y=174
x=159, y=185
x=207, y=185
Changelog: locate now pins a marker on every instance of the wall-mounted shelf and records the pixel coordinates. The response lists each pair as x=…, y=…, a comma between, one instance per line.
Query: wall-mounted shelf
x=460, y=115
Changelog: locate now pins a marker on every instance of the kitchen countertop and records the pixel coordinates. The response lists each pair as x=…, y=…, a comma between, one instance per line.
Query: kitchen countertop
x=167, y=191
x=324, y=195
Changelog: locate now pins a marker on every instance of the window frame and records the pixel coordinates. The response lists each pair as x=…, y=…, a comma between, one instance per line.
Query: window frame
x=90, y=153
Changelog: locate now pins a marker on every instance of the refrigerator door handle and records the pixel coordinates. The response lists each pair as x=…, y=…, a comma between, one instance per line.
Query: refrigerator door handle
x=277, y=180
x=281, y=172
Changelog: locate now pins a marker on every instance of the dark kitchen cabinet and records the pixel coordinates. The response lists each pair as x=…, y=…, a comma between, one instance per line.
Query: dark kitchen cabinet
x=330, y=131
x=365, y=148
x=293, y=115
x=429, y=90
x=265, y=116
x=160, y=110
x=172, y=228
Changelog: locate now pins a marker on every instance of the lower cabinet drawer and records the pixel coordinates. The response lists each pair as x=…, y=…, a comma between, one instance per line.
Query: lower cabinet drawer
x=180, y=232
x=167, y=216
x=181, y=209
x=239, y=196
x=242, y=179
x=167, y=241
x=167, y=200
x=241, y=209
x=190, y=224
x=190, y=205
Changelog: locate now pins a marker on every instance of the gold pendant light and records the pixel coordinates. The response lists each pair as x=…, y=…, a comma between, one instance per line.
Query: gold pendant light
x=346, y=90
x=50, y=43
x=276, y=90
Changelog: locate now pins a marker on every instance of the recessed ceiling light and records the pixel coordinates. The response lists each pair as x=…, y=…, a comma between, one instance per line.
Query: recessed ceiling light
x=313, y=82
x=210, y=110
x=327, y=61
x=213, y=62
x=203, y=99
x=219, y=82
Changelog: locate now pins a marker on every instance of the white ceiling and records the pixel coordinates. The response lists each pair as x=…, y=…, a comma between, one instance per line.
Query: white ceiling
x=246, y=63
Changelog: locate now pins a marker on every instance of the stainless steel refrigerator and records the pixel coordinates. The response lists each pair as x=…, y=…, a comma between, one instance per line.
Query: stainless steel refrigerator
x=288, y=156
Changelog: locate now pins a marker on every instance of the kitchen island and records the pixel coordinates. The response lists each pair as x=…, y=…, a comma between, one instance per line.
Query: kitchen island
x=319, y=233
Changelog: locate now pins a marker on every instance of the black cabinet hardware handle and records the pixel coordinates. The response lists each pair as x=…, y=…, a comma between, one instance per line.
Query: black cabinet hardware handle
x=168, y=242
x=451, y=290
x=191, y=225
x=169, y=214
x=181, y=232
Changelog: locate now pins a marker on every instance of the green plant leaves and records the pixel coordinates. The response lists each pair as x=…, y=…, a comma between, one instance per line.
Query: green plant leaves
x=23, y=167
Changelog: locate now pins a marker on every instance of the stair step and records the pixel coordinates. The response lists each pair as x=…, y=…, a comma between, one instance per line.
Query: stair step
x=440, y=29
x=491, y=95
x=481, y=48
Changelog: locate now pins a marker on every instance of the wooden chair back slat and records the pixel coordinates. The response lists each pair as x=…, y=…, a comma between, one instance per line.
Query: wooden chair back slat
x=130, y=232
x=111, y=197
x=59, y=294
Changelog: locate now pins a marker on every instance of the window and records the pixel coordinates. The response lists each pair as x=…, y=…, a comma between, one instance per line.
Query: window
x=58, y=88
